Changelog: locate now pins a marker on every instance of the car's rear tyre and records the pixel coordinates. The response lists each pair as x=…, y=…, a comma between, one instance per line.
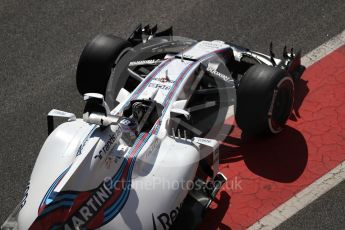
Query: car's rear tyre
x=96, y=63
x=264, y=100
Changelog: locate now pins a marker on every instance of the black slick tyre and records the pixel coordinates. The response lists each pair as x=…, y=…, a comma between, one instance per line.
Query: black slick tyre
x=96, y=63
x=264, y=100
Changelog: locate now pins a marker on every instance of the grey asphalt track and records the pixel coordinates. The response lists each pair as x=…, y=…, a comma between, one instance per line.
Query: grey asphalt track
x=327, y=212
x=40, y=43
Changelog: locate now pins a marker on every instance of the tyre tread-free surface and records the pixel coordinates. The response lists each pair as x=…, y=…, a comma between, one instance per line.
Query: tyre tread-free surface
x=96, y=62
x=254, y=98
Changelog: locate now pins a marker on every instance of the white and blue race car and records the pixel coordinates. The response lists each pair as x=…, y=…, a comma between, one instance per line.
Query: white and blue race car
x=155, y=108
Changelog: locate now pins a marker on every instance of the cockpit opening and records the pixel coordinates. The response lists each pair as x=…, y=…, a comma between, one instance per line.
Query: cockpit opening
x=144, y=113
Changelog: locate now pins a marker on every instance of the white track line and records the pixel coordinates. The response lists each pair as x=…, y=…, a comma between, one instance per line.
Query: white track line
x=324, y=49
x=323, y=184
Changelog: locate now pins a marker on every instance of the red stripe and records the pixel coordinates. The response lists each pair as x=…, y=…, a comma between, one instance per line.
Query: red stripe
x=59, y=215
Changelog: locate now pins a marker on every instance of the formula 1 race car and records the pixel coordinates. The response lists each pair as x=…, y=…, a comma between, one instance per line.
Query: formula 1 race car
x=145, y=153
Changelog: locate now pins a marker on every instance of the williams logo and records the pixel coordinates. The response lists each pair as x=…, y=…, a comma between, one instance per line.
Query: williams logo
x=217, y=74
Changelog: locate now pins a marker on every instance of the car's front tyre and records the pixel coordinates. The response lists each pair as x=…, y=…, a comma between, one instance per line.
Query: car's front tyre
x=97, y=61
x=264, y=100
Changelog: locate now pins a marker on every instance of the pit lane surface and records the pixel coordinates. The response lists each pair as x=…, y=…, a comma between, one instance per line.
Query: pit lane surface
x=40, y=43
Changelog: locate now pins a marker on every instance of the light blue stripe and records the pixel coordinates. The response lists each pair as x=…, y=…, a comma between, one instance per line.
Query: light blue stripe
x=52, y=187
x=139, y=138
x=118, y=174
x=53, y=207
x=56, y=227
x=128, y=181
x=124, y=162
x=120, y=200
x=63, y=197
x=110, y=212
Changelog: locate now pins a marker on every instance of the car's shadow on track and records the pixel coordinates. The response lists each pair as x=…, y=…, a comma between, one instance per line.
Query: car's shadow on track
x=280, y=158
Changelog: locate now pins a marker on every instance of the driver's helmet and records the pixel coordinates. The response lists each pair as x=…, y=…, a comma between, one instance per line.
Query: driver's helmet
x=128, y=125
x=138, y=110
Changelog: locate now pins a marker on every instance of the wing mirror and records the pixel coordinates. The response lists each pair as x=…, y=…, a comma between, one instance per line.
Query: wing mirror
x=97, y=111
x=178, y=124
x=178, y=112
x=95, y=103
x=177, y=109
